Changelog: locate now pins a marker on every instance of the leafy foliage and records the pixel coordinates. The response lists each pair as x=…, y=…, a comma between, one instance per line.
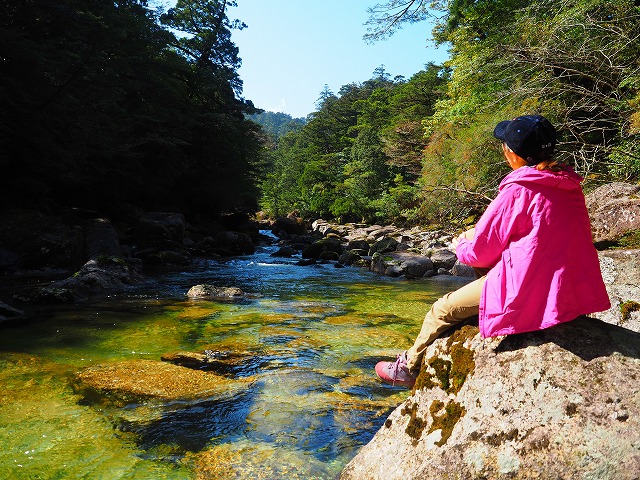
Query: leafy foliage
x=102, y=105
x=577, y=63
x=358, y=156
x=277, y=124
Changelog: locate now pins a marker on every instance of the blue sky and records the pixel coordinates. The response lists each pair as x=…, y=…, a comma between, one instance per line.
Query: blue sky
x=293, y=48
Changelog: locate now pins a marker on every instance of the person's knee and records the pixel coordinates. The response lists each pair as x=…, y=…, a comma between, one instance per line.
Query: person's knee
x=442, y=308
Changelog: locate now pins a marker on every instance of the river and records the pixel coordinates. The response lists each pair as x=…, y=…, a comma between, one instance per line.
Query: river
x=313, y=333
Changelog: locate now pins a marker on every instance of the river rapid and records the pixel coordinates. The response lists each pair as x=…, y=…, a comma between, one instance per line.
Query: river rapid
x=311, y=398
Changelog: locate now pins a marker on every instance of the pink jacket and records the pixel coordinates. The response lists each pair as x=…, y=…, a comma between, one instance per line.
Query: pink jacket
x=536, y=236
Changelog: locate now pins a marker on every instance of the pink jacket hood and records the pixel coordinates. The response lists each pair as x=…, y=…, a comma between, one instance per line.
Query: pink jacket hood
x=536, y=238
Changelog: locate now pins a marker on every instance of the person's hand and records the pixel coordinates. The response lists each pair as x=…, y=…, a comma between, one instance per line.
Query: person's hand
x=469, y=234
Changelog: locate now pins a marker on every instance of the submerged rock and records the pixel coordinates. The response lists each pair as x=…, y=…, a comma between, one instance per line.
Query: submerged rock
x=8, y=313
x=134, y=381
x=209, y=360
x=559, y=403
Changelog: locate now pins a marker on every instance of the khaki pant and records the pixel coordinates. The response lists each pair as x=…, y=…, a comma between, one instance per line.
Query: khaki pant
x=446, y=312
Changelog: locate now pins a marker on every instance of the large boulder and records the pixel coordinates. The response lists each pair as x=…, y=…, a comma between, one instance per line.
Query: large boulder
x=614, y=210
x=460, y=269
x=101, y=239
x=443, y=258
x=290, y=225
x=316, y=249
x=160, y=229
x=559, y=403
x=395, y=264
x=621, y=274
x=384, y=245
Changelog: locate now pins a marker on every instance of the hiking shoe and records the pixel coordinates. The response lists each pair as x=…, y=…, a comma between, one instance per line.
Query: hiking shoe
x=396, y=373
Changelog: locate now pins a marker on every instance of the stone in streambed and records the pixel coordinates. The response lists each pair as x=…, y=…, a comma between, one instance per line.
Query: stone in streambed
x=134, y=381
x=395, y=264
x=206, y=291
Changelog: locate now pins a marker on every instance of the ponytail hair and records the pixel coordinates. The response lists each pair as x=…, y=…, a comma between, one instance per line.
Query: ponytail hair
x=550, y=165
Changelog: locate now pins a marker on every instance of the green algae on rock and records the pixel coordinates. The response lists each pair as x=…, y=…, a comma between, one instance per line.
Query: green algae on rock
x=451, y=374
x=627, y=307
x=445, y=421
x=416, y=425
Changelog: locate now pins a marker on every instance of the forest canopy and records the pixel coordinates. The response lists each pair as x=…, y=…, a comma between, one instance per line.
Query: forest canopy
x=109, y=102
x=106, y=103
x=421, y=150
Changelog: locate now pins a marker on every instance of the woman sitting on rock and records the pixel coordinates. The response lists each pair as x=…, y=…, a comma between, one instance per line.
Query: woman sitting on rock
x=532, y=248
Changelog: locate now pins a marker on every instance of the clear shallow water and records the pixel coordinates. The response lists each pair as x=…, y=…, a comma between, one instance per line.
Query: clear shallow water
x=310, y=397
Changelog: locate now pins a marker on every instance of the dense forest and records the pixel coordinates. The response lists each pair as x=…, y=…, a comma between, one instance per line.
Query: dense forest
x=277, y=124
x=107, y=103
x=421, y=150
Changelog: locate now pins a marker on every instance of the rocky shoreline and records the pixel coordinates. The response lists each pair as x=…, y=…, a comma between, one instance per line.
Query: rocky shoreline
x=71, y=256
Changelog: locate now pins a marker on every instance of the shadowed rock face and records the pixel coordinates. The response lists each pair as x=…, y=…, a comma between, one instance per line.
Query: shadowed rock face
x=560, y=403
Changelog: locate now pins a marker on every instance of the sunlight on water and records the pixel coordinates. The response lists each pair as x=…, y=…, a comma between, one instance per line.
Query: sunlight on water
x=306, y=342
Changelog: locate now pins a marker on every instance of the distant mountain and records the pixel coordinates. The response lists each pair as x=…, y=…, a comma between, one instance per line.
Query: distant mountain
x=277, y=124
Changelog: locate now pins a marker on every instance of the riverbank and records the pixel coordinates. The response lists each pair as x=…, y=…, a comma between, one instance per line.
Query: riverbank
x=71, y=256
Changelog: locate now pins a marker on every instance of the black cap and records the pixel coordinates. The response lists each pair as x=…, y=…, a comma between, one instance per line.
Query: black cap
x=531, y=137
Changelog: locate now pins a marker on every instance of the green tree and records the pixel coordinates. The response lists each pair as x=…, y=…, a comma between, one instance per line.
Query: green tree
x=574, y=62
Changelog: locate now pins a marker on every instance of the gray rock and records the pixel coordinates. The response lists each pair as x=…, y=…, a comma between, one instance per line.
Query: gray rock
x=614, y=210
x=212, y=292
x=443, y=258
x=395, y=264
x=560, y=403
x=349, y=258
x=462, y=270
x=325, y=245
x=160, y=229
x=386, y=244
x=358, y=245
x=621, y=274
x=101, y=239
x=290, y=225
